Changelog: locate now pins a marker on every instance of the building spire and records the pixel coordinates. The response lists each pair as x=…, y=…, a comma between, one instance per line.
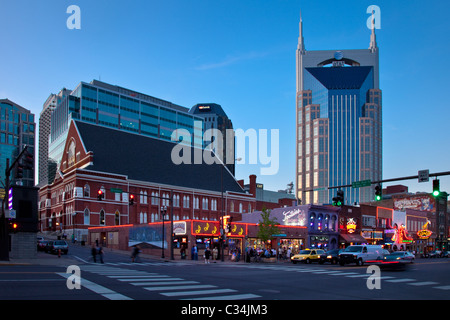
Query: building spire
x=301, y=41
x=373, y=38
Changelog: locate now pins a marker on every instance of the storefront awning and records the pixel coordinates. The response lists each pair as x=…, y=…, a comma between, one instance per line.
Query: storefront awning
x=352, y=238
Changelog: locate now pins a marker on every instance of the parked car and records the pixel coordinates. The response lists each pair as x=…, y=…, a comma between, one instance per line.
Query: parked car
x=41, y=245
x=54, y=245
x=307, y=256
x=331, y=256
x=434, y=254
x=445, y=254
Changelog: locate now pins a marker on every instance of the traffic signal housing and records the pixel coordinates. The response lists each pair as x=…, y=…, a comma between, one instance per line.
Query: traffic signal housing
x=378, y=193
x=131, y=200
x=436, y=188
x=28, y=161
x=19, y=171
x=100, y=195
x=339, y=199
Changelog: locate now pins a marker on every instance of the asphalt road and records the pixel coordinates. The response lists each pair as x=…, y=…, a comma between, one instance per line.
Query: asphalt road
x=163, y=280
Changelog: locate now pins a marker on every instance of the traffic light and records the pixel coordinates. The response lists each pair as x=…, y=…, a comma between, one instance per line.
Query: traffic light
x=19, y=171
x=339, y=199
x=131, y=201
x=28, y=161
x=100, y=195
x=13, y=226
x=436, y=188
x=378, y=193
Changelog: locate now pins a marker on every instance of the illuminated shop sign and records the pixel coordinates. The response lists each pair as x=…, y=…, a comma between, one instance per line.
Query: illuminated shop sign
x=179, y=228
x=210, y=228
x=424, y=233
x=295, y=217
x=351, y=225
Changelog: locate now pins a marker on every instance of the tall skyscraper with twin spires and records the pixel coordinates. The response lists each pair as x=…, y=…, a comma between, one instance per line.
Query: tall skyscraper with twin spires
x=339, y=122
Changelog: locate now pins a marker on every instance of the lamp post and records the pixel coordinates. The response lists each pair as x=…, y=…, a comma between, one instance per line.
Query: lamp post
x=163, y=212
x=222, y=227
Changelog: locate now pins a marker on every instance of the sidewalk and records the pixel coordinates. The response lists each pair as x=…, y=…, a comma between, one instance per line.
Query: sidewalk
x=41, y=258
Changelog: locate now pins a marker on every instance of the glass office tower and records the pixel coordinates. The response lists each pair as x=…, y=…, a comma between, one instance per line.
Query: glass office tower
x=339, y=123
x=120, y=108
x=17, y=130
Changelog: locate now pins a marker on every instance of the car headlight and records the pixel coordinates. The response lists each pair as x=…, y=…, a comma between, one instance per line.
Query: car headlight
x=329, y=257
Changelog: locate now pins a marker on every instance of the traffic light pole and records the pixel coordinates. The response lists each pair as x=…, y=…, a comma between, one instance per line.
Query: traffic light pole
x=437, y=174
x=4, y=235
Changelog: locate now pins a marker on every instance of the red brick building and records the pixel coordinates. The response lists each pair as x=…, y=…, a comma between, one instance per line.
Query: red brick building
x=122, y=164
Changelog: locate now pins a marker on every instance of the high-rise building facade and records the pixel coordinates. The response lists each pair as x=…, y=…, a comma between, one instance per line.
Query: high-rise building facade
x=338, y=121
x=17, y=130
x=215, y=118
x=47, y=167
x=119, y=108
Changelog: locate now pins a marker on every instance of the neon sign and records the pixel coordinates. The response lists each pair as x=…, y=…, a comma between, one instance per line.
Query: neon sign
x=351, y=225
x=424, y=233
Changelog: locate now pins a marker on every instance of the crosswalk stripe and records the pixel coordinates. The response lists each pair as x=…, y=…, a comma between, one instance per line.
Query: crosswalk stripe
x=443, y=287
x=197, y=292
x=358, y=276
x=199, y=286
x=343, y=274
x=146, y=278
x=133, y=276
x=162, y=283
x=229, y=297
x=107, y=293
x=160, y=279
x=424, y=283
x=400, y=280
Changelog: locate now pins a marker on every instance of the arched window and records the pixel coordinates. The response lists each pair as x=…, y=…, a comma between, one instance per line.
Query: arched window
x=117, y=218
x=87, y=191
x=312, y=220
x=87, y=215
x=102, y=217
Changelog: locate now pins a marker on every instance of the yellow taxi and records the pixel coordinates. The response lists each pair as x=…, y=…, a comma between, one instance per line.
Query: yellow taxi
x=307, y=256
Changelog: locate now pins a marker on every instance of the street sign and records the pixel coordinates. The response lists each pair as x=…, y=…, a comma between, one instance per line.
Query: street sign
x=10, y=214
x=360, y=184
x=424, y=175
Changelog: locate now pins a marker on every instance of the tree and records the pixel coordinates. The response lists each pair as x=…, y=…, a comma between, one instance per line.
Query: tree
x=267, y=227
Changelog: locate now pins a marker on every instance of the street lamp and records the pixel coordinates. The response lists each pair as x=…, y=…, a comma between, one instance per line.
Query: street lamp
x=222, y=227
x=163, y=212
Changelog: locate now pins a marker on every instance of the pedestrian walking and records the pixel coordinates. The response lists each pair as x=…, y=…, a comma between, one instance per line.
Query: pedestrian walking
x=100, y=254
x=135, y=254
x=194, y=252
x=94, y=253
x=207, y=255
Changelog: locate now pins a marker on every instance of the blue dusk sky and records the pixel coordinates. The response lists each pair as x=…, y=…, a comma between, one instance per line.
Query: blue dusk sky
x=241, y=55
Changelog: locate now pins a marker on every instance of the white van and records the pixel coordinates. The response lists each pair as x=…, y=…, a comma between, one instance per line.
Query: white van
x=360, y=254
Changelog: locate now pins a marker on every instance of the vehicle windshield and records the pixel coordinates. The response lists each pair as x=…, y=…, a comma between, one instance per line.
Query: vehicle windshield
x=304, y=252
x=353, y=249
x=397, y=253
x=60, y=243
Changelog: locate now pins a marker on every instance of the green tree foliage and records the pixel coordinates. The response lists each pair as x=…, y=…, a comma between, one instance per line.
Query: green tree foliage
x=267, y=226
